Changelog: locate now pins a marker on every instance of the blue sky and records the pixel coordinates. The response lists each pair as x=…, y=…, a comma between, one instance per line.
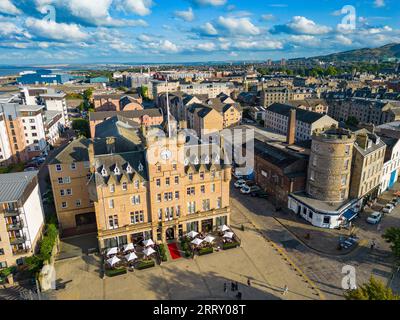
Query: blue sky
x=80, y=31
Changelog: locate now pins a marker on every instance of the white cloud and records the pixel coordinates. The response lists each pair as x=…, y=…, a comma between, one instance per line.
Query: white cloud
x=163, y=46
x=207, y=46
x=208, y=29
x=341, y=39
x=139, y=7
x=144, y=38
x=214, y=3
x=55, y=31
x=301, y=25
x=7, y=7
x=185, y=15
x=254, y=45
x=379, y=3
x=8, y=29
x=240, y=26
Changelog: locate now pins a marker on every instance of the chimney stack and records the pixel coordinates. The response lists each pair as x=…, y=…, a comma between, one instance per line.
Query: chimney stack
x=110, y=145
x=291, y=130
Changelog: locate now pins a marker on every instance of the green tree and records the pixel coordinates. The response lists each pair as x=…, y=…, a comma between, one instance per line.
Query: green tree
x=352, y=121
x=373, y=290
x=82, y=127
x=144, y=92
x=392, y=236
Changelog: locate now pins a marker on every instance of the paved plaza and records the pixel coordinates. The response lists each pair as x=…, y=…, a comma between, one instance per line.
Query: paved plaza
x=201, y=278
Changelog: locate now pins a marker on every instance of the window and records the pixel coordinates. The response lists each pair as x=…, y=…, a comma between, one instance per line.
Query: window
x=167, y=181
x=86, y=164
x=191, y=205
x=343, y=194
x=3, y=264
x=219, y=203
x=63, y=205
x=124, y=186
x=62, y=192
x=206, y=205
x=67, y=180
x=344, y=179
x=158, y=168
x=69, y=192
x=347, y=150
x=73, y=166
x=176, y=180
x=112, y=188
x=327, y=219
x=191, y=176
x=160, y=212
x=113, y=221
x=213, y=187
x=158, y=182
x=346, y=164
x=33, y=127
x=178, y=211
x=203, y=189
x=111, y=203
x=78, y=202
x=58, y=167
x=136, y=199
x=159, y=197
x=136, y=183
x=137, y=217
x=174, y=167
x=312, y=175
x=213, y=174
x=190, y=191
x=1, y=252
x=60, y=181
x=202, y=175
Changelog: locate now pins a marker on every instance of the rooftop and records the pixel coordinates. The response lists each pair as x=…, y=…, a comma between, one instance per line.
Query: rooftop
x=13, y=185
x=301, y=115
x=76, y=151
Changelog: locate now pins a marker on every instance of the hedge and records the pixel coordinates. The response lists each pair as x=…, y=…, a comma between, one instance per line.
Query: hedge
x=145, y=265
x=115, y=272
x=205, y=251
x=227, y=246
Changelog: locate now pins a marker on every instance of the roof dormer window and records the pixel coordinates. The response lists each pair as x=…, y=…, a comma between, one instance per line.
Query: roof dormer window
x=117, y=172
x=140, y=167
x=104, y=172
x=196, y=161
x=129, y=169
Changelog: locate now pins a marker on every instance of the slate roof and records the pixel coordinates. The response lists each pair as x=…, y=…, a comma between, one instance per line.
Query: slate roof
x=301, y=115
x=13, y=185
x=76, y=151
x=273, y=155
x=151, y=112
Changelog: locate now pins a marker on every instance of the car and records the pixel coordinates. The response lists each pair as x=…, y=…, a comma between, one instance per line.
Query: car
x=388, y=208
x=375, y=218
x=30, y=169
x=247, y=189
x=259, y=194
x=240, y=183
x=395, y=202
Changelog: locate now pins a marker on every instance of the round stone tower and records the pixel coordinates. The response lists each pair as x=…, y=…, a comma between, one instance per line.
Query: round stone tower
x=329, y=167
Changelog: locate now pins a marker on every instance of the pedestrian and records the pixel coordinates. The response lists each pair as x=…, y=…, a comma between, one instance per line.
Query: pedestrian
x=285, y=289
x=225, y=288
x=248, y=282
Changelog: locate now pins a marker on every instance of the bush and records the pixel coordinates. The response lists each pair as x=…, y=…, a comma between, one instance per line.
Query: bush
x=145, y=265
x=186, y=248
x=205, y=251
x=227, y=246
x=163, y=252
x=7, y=271
x=115, y=272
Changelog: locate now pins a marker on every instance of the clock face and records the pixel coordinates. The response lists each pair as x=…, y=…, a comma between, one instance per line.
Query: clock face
x=166, y=154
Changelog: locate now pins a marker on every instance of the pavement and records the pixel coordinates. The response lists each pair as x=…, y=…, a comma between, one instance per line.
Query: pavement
x=324, y=269
x=201, y=278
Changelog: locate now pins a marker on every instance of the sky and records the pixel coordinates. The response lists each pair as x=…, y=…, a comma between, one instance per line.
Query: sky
x=164, y=31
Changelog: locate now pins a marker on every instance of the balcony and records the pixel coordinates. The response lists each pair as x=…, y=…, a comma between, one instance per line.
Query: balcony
x=14, y=212
x=17, y=240
x=15, y=226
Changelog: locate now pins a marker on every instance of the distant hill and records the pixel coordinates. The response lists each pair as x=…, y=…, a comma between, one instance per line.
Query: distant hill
x=389, y=51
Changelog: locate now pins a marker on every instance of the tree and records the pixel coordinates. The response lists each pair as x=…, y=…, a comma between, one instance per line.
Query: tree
x=352, y=121
x=82, y=127
x=392, y=236
x=144, y=92
x=373, y=290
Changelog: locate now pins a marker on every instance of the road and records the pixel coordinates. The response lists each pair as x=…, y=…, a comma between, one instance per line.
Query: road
x=324, y=270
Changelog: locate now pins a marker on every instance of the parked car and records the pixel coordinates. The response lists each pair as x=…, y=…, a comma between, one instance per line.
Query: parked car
x=240, y=183
x=388, y=208
x=375, y=218
x=30, y=169
x=259, y=194
x=247, y=189
x=395, y=202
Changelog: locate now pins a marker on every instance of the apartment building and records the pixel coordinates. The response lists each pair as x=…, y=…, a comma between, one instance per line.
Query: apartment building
x=162, y=198
x=391, y=165
x=277, y=118
x=5, y=145
x=146, y=117
x=367, y=165
x=56, y=102
x=69, y=175
x=314, y=105
x=117, y=102
x=273, y=95
x=371, y=111
x=204, y=119
x=21, y=217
